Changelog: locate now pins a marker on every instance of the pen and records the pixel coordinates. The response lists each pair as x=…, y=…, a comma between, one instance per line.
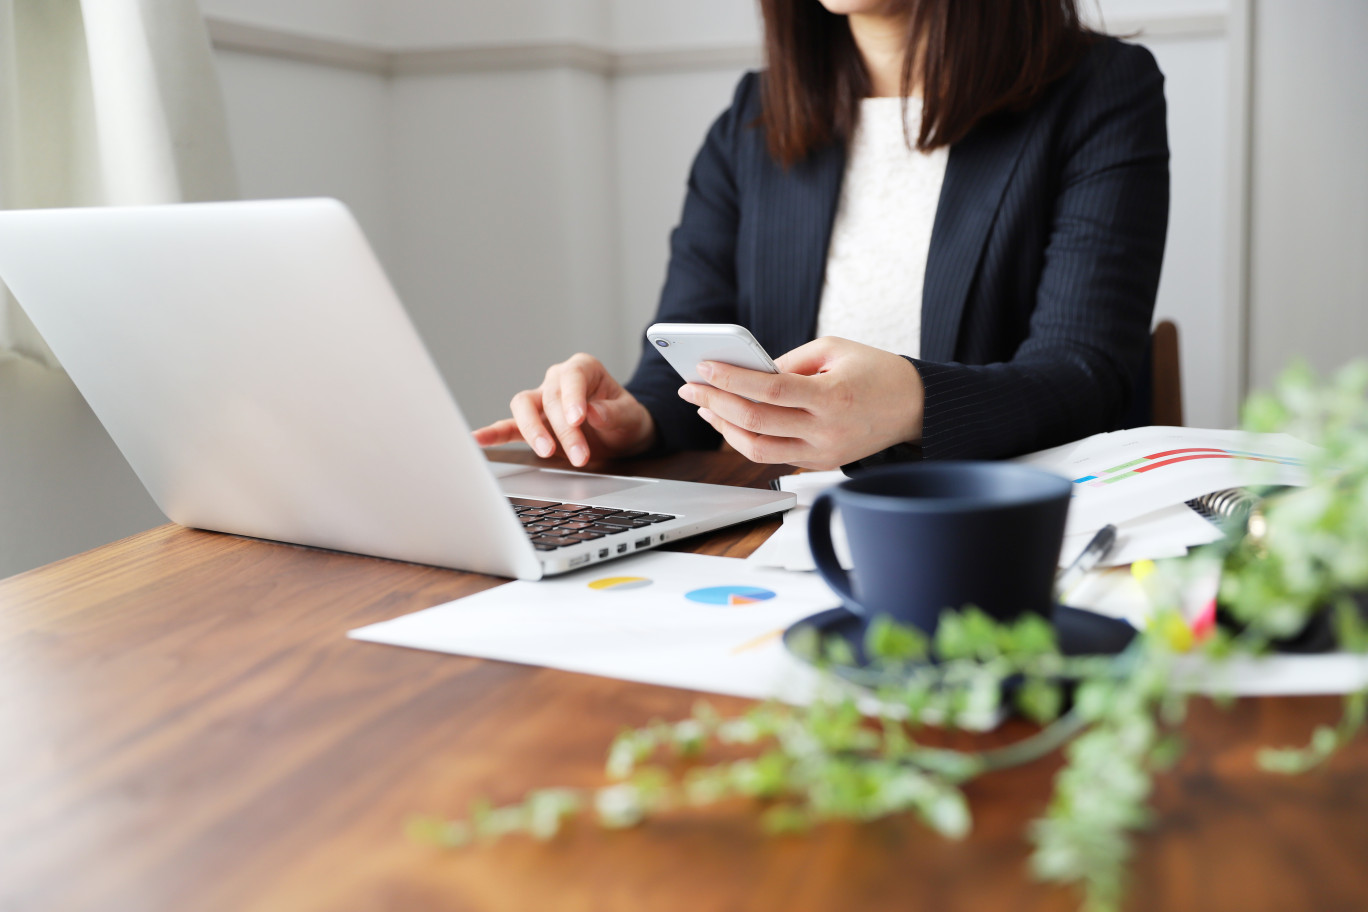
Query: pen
x=1098, y=548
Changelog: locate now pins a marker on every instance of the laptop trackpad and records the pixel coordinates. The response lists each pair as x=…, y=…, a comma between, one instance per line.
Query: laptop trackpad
x=566, y=487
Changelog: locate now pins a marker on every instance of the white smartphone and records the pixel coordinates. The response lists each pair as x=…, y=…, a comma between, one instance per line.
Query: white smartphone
x=684, y=345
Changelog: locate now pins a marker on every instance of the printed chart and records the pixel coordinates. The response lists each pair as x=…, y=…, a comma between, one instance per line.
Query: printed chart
x=729, y=595
x=1135, y=468
x=620, y=583
x=1123, y=475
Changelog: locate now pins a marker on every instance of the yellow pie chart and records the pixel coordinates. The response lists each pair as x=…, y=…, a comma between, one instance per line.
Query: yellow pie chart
x=619, y=583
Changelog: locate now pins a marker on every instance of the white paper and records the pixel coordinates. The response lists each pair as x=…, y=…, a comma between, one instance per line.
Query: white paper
x=1169, y=532
x=788, y=546
x=1125, y=474
x=1113, y=592
x=654, y=633
x=1277, y=675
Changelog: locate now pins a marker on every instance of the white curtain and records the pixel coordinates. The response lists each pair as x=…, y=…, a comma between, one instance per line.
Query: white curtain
x=105, y=102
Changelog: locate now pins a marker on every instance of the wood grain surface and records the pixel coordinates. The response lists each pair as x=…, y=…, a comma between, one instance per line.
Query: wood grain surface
x=184, y=726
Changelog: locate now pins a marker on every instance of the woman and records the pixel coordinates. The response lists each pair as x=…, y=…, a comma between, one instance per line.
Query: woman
x=950, y=215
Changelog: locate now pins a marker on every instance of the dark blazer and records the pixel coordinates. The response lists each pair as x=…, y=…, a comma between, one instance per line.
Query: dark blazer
x=1040, y=279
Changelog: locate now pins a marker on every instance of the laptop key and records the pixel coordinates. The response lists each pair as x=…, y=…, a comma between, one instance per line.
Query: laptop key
x=606, y=529
x=554, y=540
x=655, y=518
x=538, y=504
x=585, y=535
x=630, y=514
x=543, y=546
x=625, y=522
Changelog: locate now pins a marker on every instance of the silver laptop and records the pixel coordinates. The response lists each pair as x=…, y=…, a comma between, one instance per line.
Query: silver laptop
x=258, y=372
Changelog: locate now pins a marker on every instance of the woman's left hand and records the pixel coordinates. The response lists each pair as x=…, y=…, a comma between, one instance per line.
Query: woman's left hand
x=836, y=401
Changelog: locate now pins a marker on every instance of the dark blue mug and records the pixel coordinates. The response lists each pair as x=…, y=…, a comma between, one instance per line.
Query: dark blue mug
x=932, y=536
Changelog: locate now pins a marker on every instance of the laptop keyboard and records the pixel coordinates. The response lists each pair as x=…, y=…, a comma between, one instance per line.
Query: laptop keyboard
x=553, y=525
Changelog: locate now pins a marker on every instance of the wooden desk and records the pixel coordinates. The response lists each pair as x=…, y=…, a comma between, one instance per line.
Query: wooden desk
x=184, y=726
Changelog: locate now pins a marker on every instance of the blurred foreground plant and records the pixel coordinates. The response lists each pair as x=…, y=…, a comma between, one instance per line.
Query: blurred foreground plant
x=855, y=753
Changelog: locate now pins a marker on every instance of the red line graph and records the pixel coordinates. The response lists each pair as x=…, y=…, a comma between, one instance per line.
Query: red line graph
x=1168, y=462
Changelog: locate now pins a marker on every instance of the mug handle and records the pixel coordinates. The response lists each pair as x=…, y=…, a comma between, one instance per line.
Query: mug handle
x=824, y=554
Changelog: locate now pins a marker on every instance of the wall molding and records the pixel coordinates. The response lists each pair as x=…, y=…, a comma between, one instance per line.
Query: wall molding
x=273, y=42
x=380, y=60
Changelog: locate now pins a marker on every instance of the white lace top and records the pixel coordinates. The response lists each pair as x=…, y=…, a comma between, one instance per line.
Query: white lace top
x=879, y=241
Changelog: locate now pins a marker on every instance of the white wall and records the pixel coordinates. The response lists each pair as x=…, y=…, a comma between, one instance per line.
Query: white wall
x=1309, y=229
x=660, y=121
x=1192, y=286
x=440, y=23
x=360, y=21
x=303, y=130
x=489, y=195
x=504, y=185
x=64, y=488
x=655, y=24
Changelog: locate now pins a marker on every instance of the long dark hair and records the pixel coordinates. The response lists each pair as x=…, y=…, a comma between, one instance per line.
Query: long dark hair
x=972, y=58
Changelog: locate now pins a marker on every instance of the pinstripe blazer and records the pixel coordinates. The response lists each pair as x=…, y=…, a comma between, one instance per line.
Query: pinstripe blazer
x=1040, y=279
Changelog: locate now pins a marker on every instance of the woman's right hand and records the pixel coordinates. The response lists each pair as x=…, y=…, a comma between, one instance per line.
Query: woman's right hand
x=580, y=405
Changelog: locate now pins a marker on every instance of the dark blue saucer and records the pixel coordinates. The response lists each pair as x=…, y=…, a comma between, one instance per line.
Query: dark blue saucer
x=1078, y=632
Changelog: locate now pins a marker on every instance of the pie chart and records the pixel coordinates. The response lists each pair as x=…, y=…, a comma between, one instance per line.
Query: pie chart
x=729, y=595
x=619, y=583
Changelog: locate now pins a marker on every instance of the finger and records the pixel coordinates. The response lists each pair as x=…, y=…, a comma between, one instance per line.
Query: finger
x=571, y=437
x=498, y=433
x=527, y=414
x=756, y=447
x=788, y=390
x=600, y=414
x=809, y=359
x=608, y=415
x=573, y=394
x=756, y=417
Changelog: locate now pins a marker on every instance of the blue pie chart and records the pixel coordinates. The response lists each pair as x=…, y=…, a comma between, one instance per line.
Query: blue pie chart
x=729, y=595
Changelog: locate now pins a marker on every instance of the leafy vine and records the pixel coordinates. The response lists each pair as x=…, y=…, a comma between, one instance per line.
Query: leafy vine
x=1116, y=719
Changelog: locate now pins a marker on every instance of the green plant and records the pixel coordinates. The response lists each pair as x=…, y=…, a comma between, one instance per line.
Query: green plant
x=847, y=758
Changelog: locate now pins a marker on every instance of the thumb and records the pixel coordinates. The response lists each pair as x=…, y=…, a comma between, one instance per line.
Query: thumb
x=809, y=359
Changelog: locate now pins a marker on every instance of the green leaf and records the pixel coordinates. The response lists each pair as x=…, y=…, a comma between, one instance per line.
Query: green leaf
x=953, y=639
x=707, y=785
x=785, y=818
x=688, y=737
x=434, y=831
x=548, y=808
x=948, y=814
x=619, y=806
x=1040, y=700
x=1166, y=753
x=806, y=643
x=627, y=750
x=838, y=652
x=889, y=641
x=1033, y=635
x=1287, y=761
